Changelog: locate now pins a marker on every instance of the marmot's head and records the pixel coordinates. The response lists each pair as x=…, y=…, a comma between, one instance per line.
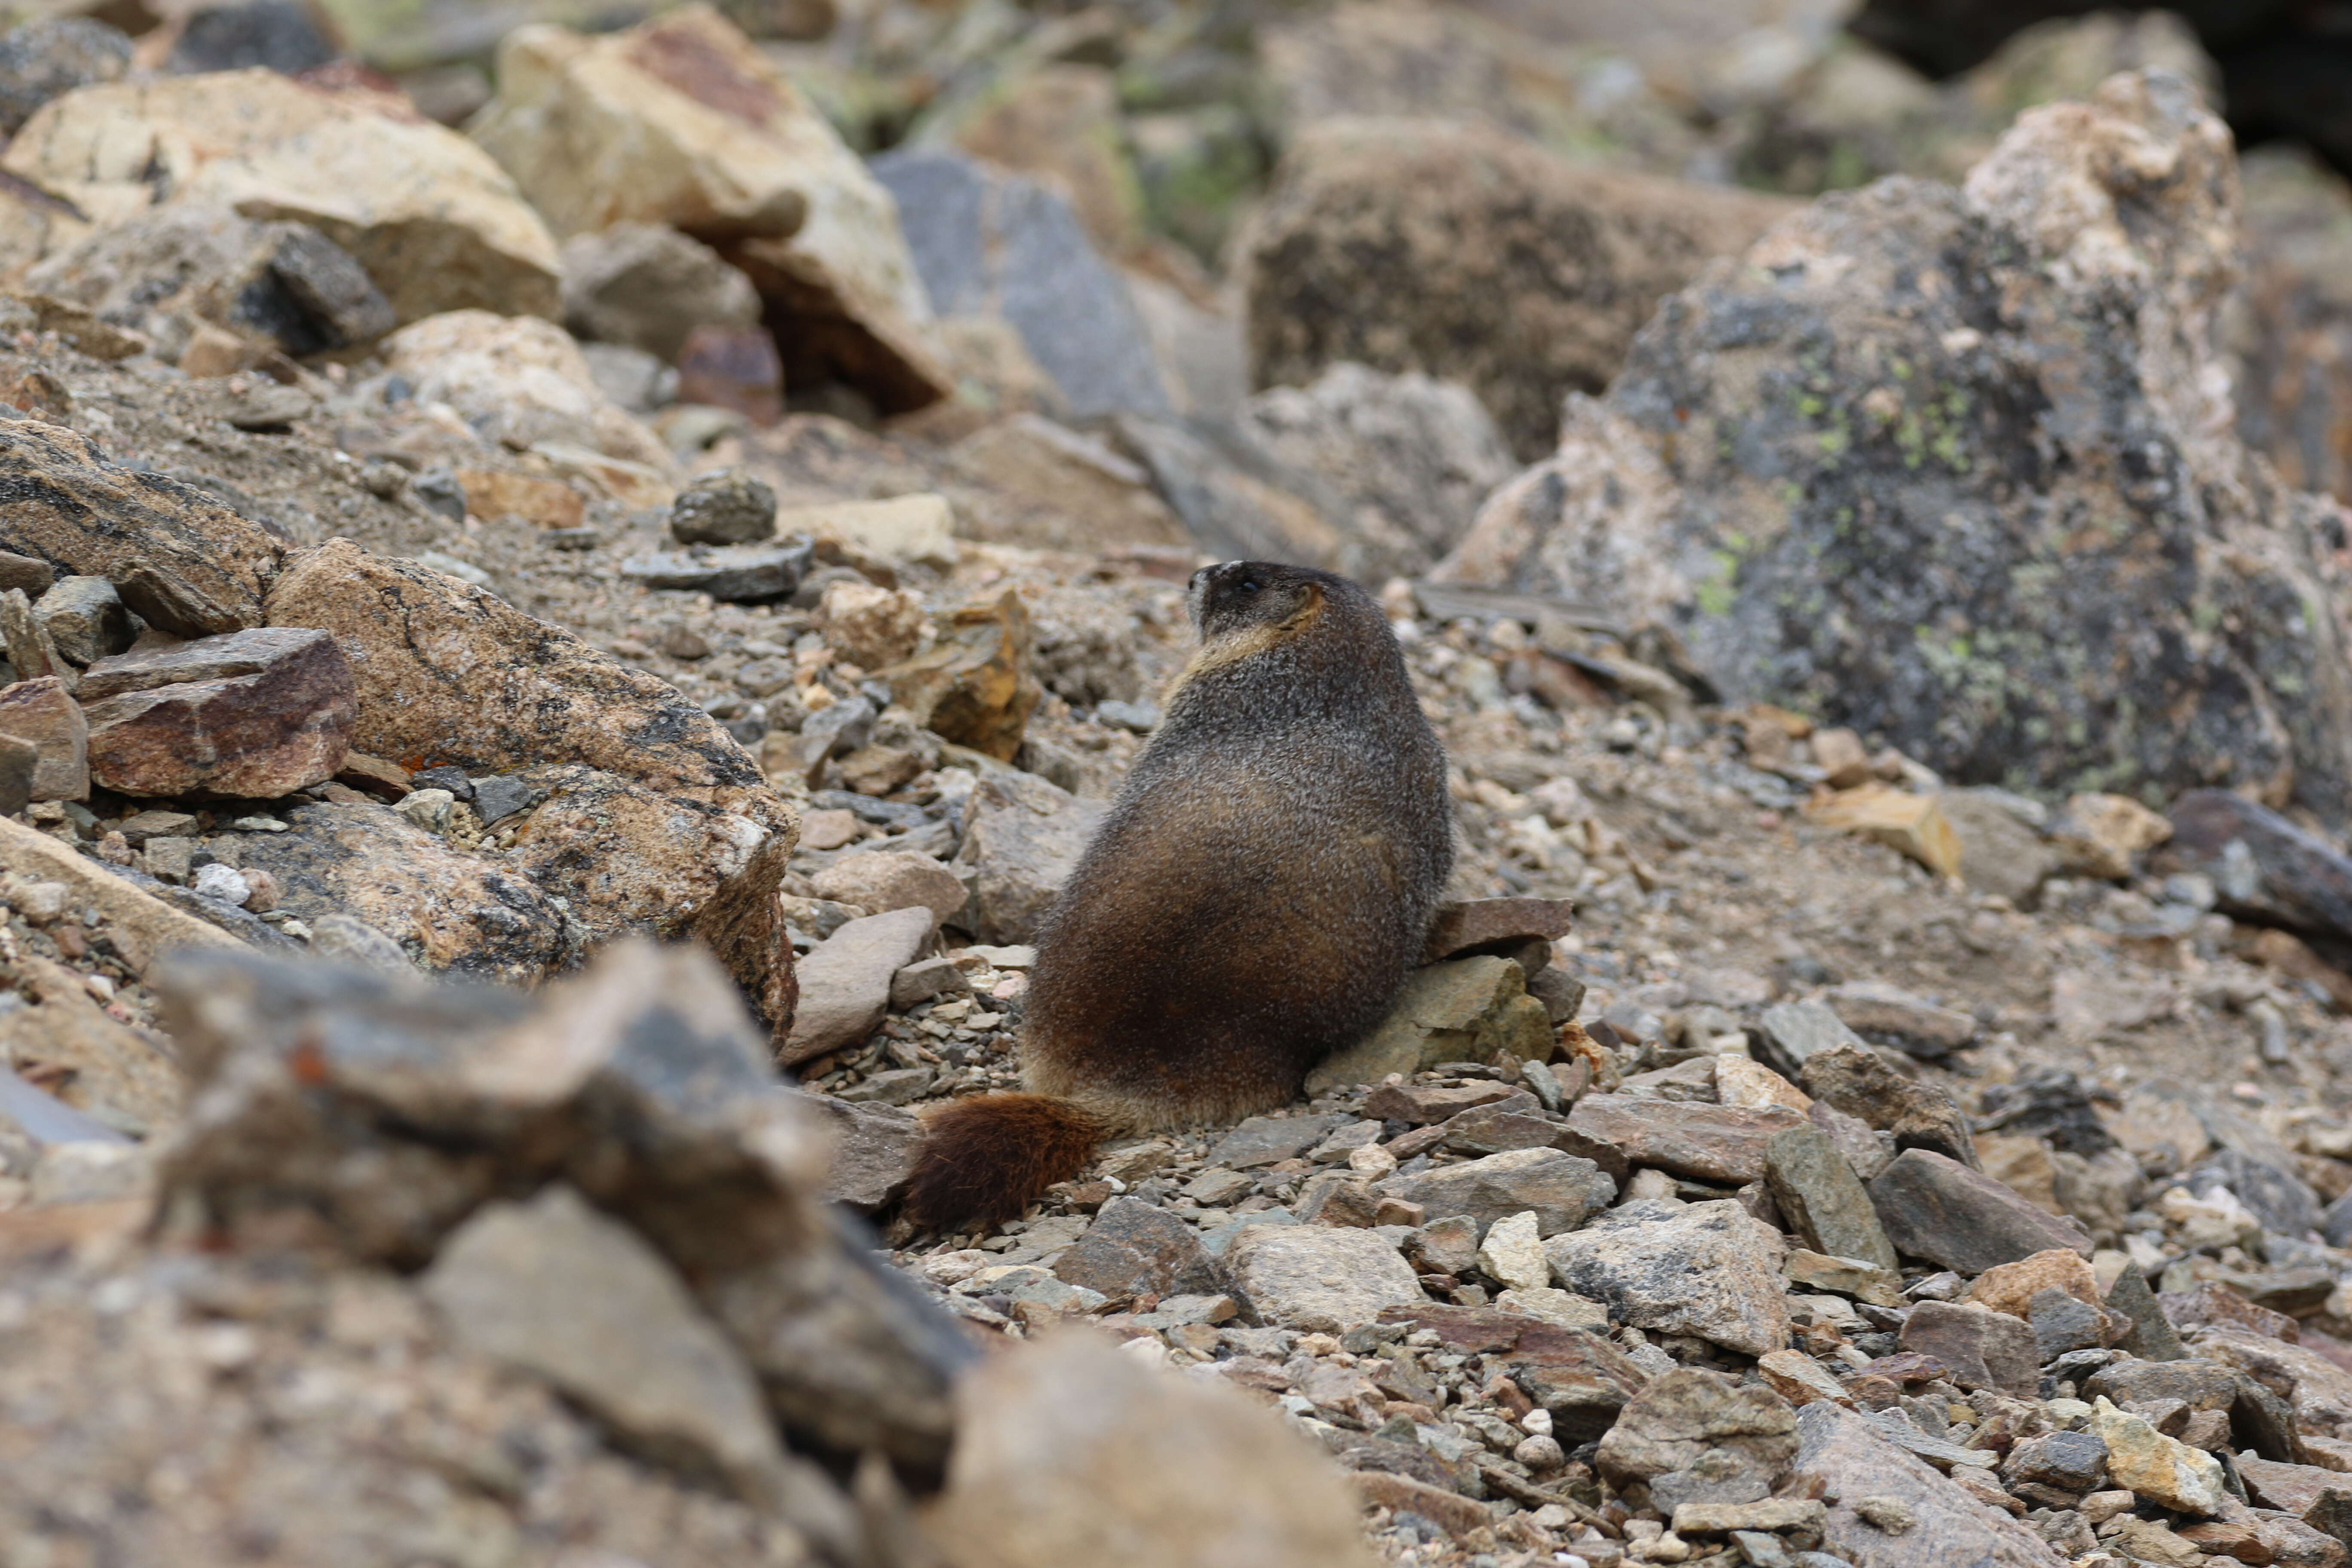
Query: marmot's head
x=1259, y=596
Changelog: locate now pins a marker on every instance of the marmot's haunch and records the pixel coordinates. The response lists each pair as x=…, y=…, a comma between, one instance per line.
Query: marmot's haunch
x=1251, y=905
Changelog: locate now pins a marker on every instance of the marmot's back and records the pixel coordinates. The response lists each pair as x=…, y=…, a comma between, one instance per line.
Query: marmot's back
x=1255, y=898
x=1266, y=879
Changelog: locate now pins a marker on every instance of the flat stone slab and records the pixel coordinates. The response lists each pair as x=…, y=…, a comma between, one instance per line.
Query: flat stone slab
x=1268, y=1139
x=845, y=981
x=1470, y=925
x=740, y=573
x=1689, y=1137
x=1312, y=1277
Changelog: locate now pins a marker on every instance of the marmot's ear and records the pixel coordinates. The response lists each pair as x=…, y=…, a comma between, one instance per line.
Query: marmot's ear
x=1308, y=605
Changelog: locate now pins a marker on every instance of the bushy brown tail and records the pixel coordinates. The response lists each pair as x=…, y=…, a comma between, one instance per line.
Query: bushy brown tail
x=986, y=1158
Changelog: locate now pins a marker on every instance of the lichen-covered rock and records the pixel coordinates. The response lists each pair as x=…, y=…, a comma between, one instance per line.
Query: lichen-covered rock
x=1494, y=263
x=448, y=911
x=661, y=821
x=1955, y=466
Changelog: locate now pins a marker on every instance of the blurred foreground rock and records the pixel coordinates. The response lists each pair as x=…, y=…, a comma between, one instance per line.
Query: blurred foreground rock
x=590, y=1226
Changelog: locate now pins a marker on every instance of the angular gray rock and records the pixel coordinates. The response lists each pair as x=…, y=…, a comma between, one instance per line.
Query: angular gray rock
x=648, y=286
x=1913, y=1023
x=739, y=574
x=1460, y=1010
x=1408, y=457
x=194, y=264
x=179, y=558
x=379, y=1112
x=873, y=1154
x=18, y=760
x=2071, y=1461
x=445, y=910
x=565, y=1293
x=1984, y=1349
x=2262, y=864
x=40, y=714
x=2096, y=583
x=1704, y=1431
x=1266, y=1140
x=1856, y=1079
x=1790, y=1032
x=1689, y=1137
x=1562, y=1189
x=991, y=242
x=731, y=506
x=1999, y=852
x=1133, y=1249
x=1857, y=1467
x=1707, y=1269
x=2151, y=1336
x=85, y=618
x=42, y=59
x=845, y=981
x=1938, y=1209
x=2274, y=1195
x=259, y=713
x=1049, y=1431
x=1234, y=497
x=1021, y=838
x=1316, y=1277
x=882, y=880
x=1822, y=1199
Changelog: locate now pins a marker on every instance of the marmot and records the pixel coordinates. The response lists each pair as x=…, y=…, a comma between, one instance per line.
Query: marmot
x=1252, y=903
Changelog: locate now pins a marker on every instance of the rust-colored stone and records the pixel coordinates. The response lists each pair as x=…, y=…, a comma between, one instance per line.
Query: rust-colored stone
x=39, y=713
x=256, y=714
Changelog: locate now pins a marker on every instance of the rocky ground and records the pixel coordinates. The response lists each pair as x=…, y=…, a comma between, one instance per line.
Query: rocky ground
x=1875, y=1095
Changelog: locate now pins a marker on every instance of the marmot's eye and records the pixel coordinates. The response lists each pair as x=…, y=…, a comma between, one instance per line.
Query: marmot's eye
x=1249, y=584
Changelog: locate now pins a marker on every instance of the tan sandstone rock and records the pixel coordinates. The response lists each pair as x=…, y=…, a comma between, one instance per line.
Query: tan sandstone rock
x=434, y=222
x=690, y=838
x=520, y=381
x=683, y=121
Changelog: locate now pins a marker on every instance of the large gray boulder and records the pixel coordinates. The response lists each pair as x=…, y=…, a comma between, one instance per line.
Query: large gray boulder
x=1957, y=466
x=987, y=242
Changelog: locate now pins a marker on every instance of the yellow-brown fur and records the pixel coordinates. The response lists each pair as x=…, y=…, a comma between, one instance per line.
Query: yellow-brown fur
x=1250, y=904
